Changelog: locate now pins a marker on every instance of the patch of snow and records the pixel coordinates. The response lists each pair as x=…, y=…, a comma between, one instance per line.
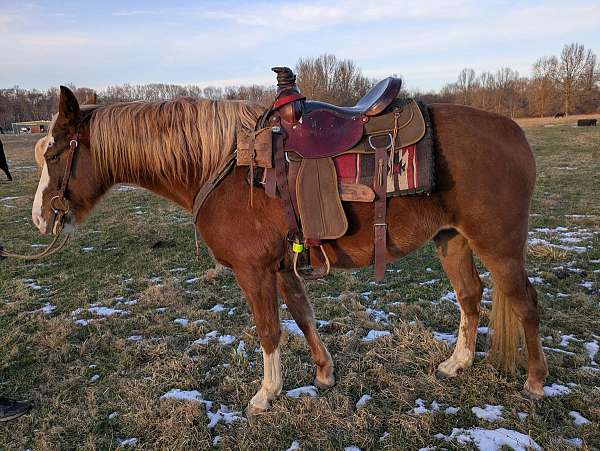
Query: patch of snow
x=560, y=351
x=106, y=311
x=128, y=442
x=215, y=335
x=322, y=323
x=125, y=188
x=384, y=436
x=565, y=339
x=135, y=338
x=87, y=249
x=375, y=334
x=378, y=316
x=192, y=280
x=556, y=390
x=291, y=327
x=295, y=446
x=492, y=439
x=421, y=408
x=113, y=415
x=226, y=339
x=352, y=448
x=429, y=282
x=216, y=440
x=587, y=284
x=224, y=414
x=442, y=336
x=183, y=395
x=575, y=442
x=46, y=309
x=536, y=279
x=488, y=413
x=592, y=349
x=309, y=390
x=578, y=419
x=522, y=415
x=218, y=308
x=241, y=349
x=181, y=321
x=364, y=399
x=94, y=378
x=178, y=270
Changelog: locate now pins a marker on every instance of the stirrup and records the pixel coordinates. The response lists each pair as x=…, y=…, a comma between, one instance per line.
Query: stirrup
x=310, y=273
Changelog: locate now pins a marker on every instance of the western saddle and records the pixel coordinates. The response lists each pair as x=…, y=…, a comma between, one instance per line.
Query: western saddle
x=292, y=153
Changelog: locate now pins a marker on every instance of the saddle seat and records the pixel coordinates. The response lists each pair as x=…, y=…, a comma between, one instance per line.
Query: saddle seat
x=316, y=129
x=371, y=104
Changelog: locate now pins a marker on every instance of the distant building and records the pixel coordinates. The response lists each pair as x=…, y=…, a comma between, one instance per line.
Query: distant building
x=20, y=128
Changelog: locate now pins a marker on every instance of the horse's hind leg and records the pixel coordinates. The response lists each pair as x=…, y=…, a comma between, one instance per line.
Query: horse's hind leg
x=516, y=299
x=457, y=260
x=291, y=290
x=260, y=290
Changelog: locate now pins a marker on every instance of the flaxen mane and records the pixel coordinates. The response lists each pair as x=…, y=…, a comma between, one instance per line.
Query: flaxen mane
x=179, y=140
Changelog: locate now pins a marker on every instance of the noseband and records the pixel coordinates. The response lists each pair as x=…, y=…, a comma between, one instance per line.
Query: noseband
x=60, y=207
x=59, y=204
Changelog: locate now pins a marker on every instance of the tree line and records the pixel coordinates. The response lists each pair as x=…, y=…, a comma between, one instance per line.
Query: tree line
x=568, y=83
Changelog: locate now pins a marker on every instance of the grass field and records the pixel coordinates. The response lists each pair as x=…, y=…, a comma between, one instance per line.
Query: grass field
x=97, y=334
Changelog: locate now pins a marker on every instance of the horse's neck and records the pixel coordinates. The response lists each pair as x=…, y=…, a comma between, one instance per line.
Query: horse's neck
x=181, y=194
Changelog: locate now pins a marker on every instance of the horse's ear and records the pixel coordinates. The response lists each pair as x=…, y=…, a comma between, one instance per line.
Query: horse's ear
x=68, y=106
x=92, y=99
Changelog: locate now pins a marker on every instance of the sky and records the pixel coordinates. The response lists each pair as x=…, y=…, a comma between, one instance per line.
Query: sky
x=225, y=43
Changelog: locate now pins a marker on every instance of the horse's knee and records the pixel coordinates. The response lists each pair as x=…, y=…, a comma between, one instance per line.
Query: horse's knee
x=269, y=340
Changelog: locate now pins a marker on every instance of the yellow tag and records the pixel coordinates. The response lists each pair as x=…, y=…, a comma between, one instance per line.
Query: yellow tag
x=297, y=247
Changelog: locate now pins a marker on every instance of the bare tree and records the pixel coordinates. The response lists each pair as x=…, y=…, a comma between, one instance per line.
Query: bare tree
x=331, y=80
x=544, y=74
x=465, y=85
x=573, y=62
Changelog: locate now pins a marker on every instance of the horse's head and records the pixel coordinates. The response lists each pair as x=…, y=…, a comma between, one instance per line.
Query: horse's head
x=68, y=187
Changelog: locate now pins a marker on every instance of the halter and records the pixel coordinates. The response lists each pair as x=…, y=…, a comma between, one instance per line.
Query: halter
x=60, y=207
x=59, y=203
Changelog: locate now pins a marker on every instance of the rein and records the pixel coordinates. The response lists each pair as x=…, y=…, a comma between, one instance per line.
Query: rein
x=60, y=208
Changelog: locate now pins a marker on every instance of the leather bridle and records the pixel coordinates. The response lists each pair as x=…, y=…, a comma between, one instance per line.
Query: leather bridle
x=59, y=204
x=60, y=207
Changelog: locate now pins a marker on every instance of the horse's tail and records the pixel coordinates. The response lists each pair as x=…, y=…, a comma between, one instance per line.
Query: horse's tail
x=506, y=333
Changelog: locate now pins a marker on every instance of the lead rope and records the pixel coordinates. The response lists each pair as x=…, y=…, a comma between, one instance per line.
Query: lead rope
x=51, y=249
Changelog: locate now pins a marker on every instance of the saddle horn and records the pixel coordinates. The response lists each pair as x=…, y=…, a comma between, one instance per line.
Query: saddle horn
x=286, y=79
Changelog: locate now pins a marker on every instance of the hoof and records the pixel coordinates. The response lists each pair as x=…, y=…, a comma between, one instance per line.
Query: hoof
x=253, y=411
x=325, y=384
x=443, y=373
x=533, y=393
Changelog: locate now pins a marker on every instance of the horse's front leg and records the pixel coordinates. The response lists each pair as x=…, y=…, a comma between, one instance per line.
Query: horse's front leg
x=259, y=286
x=291, y=290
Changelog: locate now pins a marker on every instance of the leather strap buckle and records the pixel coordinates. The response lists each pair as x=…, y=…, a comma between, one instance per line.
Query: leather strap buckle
x=387, y=147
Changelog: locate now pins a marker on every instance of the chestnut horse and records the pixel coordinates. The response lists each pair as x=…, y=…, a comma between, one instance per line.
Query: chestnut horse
x=485, y=179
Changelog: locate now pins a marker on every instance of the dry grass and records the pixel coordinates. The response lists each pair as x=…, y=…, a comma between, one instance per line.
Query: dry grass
x=53, y=361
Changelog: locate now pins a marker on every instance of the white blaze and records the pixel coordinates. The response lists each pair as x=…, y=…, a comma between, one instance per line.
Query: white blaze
x=36, y=211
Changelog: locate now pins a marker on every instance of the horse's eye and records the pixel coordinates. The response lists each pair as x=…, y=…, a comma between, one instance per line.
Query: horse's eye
x=54, y=158
x=50, y=144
